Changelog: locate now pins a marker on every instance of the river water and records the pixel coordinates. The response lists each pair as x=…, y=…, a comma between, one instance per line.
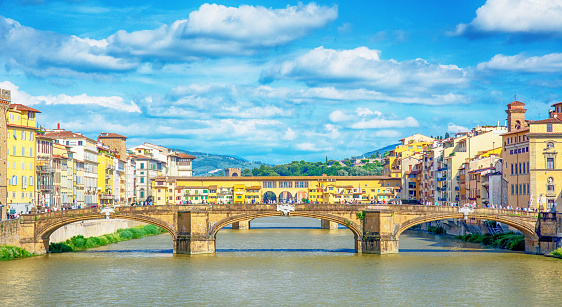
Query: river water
x=276, y=265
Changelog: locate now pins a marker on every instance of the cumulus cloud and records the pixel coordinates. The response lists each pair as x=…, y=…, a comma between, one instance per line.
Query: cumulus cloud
x=110, y=102
x=43, y=52
x=456, y=128
x=363, y=67
x=516, y=17
x=386, y=123
x=363, y=118
x=550, y=63
x=311, y=147
x=211, y=31
x=332, y=93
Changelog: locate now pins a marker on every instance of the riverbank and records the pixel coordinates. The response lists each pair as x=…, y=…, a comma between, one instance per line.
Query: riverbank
x=557, y=253
x=8, y=252
x=79, y=242
x=508, y=240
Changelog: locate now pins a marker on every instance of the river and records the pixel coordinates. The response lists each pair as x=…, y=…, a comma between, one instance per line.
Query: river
x=276, y=265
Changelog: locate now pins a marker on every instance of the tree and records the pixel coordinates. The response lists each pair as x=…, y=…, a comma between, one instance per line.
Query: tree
x=247, y=172
x=446, y=135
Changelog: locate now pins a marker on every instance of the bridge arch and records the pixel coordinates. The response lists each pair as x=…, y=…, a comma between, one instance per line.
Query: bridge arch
x=355, y=228
x=526, y=228
x=44, y=232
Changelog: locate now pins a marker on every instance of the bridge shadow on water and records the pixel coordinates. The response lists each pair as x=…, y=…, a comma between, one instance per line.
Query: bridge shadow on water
x=306, y=250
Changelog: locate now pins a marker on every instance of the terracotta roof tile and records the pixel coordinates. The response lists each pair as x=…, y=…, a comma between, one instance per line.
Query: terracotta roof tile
x=111, y=135
x=516, y=103
x=22, y=107
x=185, y=156
x=552, y=120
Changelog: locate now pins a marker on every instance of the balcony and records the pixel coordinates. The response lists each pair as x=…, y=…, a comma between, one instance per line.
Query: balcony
x=44, y=169
x=45, y=187
x=105, y=196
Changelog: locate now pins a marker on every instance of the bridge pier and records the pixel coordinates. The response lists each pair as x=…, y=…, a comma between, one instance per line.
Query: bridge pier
x=326, y=224
x=192, y=235
x=242, y=225
x=378, y=237
x=185, y=244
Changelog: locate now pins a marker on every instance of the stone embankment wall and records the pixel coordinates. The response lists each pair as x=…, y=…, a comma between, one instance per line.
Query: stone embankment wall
x=9, y=232
x=91, y=228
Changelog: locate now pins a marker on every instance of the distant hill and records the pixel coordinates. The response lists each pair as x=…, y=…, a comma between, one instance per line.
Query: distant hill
x=380, y=150
x=208, y=164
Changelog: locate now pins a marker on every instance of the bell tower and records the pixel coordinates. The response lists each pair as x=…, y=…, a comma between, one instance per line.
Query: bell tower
x=5, y=100
x=516, y=116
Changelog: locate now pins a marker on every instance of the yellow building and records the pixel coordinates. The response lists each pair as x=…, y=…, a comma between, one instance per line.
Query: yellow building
x=63, y=166
x=21, y=157
x=409, y=146
x=545, y=144
x=298, y=189
x=106, y=173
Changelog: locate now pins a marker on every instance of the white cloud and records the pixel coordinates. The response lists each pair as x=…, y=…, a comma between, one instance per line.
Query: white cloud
x=387, y=133
x=550, y=63
x=339, y=116
x=312, y=147
x=516, y=16
x=362, y=118
x=456, y=128
x=363, y=67
x=211, y=31
x=331, y=93
x=111, y=102
x=386, y=123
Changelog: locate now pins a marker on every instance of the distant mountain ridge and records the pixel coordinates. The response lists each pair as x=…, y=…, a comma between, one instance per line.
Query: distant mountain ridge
x=380, y=150
x=207, y=164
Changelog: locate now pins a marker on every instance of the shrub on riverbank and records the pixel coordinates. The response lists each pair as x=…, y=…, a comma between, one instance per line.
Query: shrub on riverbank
x=78, y=243
x=438, y=230
x=557, y=252
x=8, y=252
x=509, y=240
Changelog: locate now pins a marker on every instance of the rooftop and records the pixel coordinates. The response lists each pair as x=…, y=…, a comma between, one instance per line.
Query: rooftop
x=21, y=107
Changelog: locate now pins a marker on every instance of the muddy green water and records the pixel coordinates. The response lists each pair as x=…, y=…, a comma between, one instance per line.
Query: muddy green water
x=286, y=267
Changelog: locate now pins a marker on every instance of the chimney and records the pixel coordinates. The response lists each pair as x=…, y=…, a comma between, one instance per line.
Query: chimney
x=58, y=126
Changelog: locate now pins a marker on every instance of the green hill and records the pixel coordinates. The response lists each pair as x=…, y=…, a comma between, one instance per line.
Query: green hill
x=208, y=164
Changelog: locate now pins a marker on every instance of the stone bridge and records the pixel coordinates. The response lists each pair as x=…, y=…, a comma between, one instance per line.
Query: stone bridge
x=376, y=228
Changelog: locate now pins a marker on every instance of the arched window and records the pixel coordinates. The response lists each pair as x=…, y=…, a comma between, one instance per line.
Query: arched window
x=550, y=186
x=550, y=145
x=517, y=125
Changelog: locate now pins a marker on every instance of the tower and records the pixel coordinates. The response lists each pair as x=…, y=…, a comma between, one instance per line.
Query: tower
x=516, y=116
x=5, y=99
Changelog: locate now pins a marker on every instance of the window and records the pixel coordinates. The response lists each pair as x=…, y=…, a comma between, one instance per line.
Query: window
x=550, y=145
x=14, y=151
x=142, y=180
x=23, y=135
x=31, y=180
x=23, y=151
x=549, y=128
x=23, y=165
x=14, y=165
x=142, y=166
x=512, y=189
x=31, y=152
x=31, y=136
x=550, y=163
x=512, y=168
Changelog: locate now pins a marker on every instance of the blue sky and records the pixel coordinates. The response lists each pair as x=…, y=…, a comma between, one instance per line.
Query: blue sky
x=279, y=81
